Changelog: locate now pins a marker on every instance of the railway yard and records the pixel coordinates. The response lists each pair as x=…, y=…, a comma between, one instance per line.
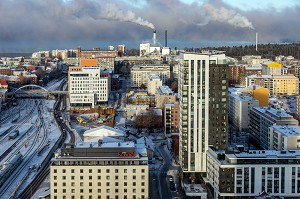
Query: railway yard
x=30, y=131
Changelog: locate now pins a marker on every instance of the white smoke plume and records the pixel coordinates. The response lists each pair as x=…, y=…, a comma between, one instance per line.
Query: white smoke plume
x=113, y=12
x=226, y=16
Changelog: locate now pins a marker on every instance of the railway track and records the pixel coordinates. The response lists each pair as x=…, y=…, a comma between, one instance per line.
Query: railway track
x=27, y=156
x=44, y=170
x=25, y=119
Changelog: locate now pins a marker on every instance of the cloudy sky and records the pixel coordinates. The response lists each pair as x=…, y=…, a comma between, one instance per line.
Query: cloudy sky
x=29, y=25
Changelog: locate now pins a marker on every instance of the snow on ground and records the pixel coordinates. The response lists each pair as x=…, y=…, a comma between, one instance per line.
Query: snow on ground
x=53, y=134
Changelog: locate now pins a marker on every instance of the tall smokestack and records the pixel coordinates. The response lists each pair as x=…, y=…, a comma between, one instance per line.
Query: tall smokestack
x=256, y=40
x=166, y=38
x=154, y=37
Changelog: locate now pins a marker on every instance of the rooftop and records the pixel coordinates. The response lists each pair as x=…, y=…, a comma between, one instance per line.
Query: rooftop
x=288, y=130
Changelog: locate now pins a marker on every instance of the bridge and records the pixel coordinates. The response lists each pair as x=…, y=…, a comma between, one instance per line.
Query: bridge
x=35, y=89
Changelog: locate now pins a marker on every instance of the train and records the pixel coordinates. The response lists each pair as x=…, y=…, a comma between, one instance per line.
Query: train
x=8, y=168
x=13, y=135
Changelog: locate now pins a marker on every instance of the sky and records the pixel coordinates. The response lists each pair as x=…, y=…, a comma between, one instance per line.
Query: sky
x=30, y=25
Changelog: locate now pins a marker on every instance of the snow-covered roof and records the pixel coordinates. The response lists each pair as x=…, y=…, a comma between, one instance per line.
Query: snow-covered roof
x=101, y=132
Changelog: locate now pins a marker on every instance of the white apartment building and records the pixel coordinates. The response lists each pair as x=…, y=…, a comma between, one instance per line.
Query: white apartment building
x=154, y=82
x=164, y=95
x=261, y=118
x=284, y=137
x=202, y=79
x=88, y=86
x=247, y=174
x=239, y=106
x=95, y=170
x=140, y=74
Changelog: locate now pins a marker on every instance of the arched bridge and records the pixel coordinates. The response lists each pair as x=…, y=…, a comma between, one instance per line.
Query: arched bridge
x=36, y=89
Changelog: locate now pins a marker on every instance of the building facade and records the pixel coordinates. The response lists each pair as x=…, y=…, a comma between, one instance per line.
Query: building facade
x=100, y=171
x=261, y=118
x=164, y=95
x=203, y=107
x=276, y=84
x=239, y=106
x=285, y=137
x=247, y=174
x=88, y=86
x=154, y=82
x=140, y=74
x=171, y=119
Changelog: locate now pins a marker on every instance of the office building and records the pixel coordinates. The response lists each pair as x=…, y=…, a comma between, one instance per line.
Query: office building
x=203, y=98
x=88, y=86
x=239, y=106
x=140, y=74
x=247, y=174
x=261, y=118
x=285, y=137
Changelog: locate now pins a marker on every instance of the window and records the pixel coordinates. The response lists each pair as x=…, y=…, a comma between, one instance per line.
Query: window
x=90, y=184
x=72, y=177
x=134, y=170
x=64, y=170
x=81, y=170
x=125, y=191
x=72, y=170
x=107, y=191
x=107, y=178
x=99, y=190
x=99, y=177
x=116, y=184
x=99, y=184
x=107, y=170
x=55, y=177
x=143, y=170
x=125, y=177
x=72, y=190
x=55, y=190
x=134, y=177
x=116, y=170
x=125, y=183
x=143, y=190
x=134, y=184
x=107, y=184
x=81, y=177
x=90, y=177
x=55, y=184
x=90, y=191
x=134, y=190
x=55, y=171
x=64, y=190
x=63, y=184
x=143, y=184
x=90, y=170
x=81, y=190
x=99, y=170
x=125, y=170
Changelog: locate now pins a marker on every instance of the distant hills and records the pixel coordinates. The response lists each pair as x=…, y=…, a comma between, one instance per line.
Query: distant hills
x=14, y=54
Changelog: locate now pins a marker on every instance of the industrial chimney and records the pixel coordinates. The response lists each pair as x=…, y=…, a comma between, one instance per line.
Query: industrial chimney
x=154, y=37
x=256, y=40
x=166, y=38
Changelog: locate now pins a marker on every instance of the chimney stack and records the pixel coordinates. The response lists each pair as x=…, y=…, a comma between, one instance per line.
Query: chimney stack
x=166, y=38
x=256, y=40
x=154, y=37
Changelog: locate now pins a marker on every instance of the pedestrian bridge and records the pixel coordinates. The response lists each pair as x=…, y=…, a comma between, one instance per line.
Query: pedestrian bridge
x=35, y=89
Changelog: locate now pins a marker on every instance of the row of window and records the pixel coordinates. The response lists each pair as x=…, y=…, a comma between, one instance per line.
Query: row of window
x=99, y=197
x=99, y=170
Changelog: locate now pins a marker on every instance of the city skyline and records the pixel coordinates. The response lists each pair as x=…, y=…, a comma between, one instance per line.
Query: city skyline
x=67, y=24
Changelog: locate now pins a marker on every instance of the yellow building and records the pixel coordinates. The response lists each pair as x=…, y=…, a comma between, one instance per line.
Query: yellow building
x=271, y=68
x=276, y=84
